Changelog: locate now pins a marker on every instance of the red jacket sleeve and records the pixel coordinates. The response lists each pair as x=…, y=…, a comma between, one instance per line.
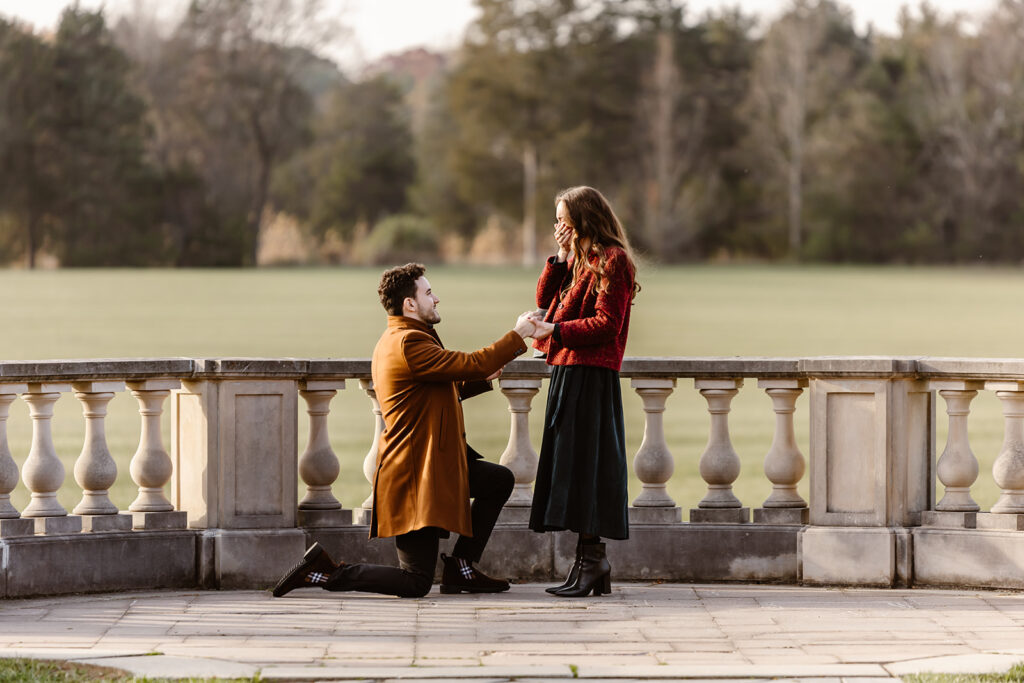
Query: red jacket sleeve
x=610, y=309
x=550, y=281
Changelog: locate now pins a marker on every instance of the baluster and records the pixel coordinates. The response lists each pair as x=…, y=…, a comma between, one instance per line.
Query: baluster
x=95, y=469
x=151, y=467
x=11, y=523
x=1008, y=469
x=43, y=473
x=957, y=468
x=8, y=468
x=519, y=455
x=653, y=461
x=370, y=461
x=784, y=464
x=318, y=464
x=719, y=465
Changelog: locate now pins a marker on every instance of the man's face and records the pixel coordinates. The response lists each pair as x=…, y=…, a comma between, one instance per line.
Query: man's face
x=424, y=306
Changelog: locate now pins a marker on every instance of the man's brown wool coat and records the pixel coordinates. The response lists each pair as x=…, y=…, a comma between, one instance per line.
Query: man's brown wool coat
x=422, y=476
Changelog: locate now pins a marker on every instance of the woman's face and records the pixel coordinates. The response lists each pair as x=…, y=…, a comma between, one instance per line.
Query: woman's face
x=562, y=215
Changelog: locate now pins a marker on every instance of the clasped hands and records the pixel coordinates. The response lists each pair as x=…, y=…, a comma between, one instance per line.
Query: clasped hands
x=530, y=324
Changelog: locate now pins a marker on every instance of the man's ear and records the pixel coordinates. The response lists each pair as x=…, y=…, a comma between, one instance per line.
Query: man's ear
x=408, y=304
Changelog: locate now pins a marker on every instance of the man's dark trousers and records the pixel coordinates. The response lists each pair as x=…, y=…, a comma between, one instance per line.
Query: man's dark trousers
x=490, y=486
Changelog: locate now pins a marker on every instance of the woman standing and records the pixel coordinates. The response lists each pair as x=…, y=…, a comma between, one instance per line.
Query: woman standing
x=587, y=289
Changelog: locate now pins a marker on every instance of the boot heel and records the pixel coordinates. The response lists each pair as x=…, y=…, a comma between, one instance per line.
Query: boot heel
x=605, y=585
x=314, y=551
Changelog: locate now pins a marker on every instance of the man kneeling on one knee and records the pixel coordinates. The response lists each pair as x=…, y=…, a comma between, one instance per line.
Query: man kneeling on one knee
x=426, y=473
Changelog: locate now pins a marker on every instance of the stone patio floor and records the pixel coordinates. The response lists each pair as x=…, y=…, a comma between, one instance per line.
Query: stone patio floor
x=641, y=631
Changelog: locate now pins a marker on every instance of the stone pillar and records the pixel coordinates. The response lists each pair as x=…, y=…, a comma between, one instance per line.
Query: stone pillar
x=653, y=462
x=95, y=469
x=719, y=464
x=957, y=468
x=151, y=467
x=519, y=455
x=43, y=472
x=362, y=516
x=784, y=463
x=1008, y=469
x=318, y=464
x=233, y=445
x=11, y=523
x=871, y=470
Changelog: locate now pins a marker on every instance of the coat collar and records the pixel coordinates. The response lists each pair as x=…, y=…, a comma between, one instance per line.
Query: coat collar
x=404, y=322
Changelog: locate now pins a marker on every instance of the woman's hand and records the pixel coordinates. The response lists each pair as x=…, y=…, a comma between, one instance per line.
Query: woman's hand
x=563, y=237
x=543, y=329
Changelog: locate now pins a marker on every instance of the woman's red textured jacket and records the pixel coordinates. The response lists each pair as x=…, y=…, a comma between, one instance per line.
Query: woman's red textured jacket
x=592, y=327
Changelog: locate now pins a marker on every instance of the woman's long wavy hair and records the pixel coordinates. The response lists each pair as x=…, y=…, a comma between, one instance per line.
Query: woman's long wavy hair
x=593, y=219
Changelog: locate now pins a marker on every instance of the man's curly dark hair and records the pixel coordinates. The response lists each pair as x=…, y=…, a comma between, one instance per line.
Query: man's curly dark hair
x=397, y=284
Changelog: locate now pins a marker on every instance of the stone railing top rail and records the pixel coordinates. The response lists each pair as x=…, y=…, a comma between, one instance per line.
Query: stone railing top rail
x=1010, y=369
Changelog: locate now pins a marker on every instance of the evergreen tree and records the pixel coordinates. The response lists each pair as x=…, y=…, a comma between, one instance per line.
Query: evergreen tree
x=361, y=166
x=107, y=207
x=27, y=162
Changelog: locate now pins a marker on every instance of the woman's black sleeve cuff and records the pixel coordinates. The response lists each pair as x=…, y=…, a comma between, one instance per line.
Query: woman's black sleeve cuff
x=557, y=334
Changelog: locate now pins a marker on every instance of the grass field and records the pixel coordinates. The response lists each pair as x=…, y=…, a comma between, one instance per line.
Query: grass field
x=682, y=311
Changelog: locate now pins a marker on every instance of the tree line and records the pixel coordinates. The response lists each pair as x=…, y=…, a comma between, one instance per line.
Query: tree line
x=716, y=137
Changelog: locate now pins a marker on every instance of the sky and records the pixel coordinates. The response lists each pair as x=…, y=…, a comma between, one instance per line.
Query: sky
x=385, y=26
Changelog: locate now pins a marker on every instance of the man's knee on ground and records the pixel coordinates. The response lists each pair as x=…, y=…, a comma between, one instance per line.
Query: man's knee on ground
x=417, y=586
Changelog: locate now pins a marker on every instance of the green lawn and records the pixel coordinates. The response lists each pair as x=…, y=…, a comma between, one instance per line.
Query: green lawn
x=1014, y=675
x=682, y=311
x=18, y=670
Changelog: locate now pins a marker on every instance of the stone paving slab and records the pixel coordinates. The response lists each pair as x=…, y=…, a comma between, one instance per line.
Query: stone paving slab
x=639, y=632
x=178, y=667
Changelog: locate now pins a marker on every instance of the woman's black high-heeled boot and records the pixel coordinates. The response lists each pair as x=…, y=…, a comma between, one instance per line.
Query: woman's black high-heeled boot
x=573, y=573
x=595, y=574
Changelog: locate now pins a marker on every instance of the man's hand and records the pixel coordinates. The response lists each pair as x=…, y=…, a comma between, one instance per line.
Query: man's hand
x=526, y=325
x=496, y=375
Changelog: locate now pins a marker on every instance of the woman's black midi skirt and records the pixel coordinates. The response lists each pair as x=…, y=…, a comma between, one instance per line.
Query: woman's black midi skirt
x=581, y=476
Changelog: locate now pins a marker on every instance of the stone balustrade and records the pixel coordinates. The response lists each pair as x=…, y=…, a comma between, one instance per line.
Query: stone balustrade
x=222, y=507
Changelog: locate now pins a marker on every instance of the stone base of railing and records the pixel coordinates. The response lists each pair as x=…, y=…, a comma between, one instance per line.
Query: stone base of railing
x=862, y=556
x=13, y=528
x=98, y=562
x=948, y=519
x=637, y=515
x=780, y=515
x=514, y=514
x=154, y=521
x=361, y=516
x=962, y=557
x=325, y=518
x=655, y=515
x=1010, y=522
x=247, y=558
x=118, y=522
x=720, y=515
x=110, y=561
x=669, y=552
x=58, y=526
